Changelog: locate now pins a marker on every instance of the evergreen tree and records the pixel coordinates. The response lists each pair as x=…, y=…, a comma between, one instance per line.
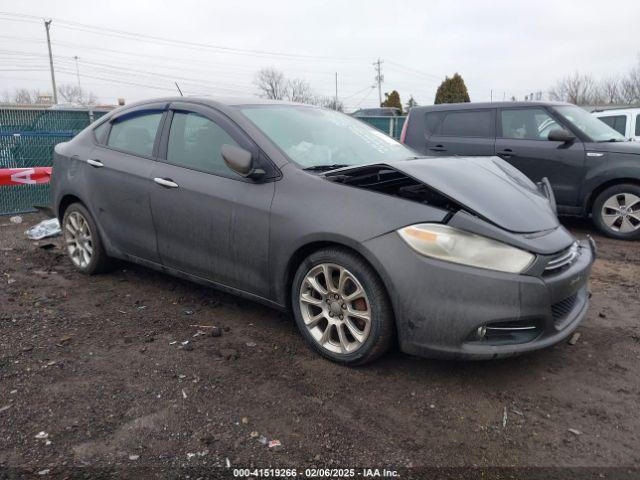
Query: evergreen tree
x=392, y=100
x=410, y=103
x=452, y=90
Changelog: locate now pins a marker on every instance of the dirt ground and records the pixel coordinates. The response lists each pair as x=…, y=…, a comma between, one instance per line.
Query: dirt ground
x=98, y=364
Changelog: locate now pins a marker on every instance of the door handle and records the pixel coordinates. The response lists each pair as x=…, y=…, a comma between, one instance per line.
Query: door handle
x=95, y=163
x=506, y=153
x=165, y=182
x=438, y=148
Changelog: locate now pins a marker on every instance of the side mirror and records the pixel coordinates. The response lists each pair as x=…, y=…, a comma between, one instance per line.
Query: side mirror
x=240, y=161
x=561, y=135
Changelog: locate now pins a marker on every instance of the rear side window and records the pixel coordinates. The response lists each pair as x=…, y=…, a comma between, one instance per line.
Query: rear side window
x=638, y=126
x=527, y=123
x=135, y=133
x=432, y=122
x=196, y=142
x=468, y=124
x=617, y=122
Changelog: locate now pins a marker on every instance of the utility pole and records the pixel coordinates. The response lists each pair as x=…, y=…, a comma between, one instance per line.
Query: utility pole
x=53, y=75
x=379, y=79
x=78, y=74
x=336, y=104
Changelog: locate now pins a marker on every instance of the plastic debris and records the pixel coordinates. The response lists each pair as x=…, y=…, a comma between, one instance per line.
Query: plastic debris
x=16, y=220
x=44, y=472
x=254, y=434
x=263, y=440
x=245, y=420
x=504, y=418
x=574, y=431
x=6, y=407
x=251, y=344
x=227, y=462
x=274, y=443
x=42, y=435
x=184, y=394
x=134, y=457
x=574, y=338
x=44, y=229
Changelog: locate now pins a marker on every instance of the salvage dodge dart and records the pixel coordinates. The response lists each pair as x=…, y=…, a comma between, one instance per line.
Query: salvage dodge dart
x=314, y=211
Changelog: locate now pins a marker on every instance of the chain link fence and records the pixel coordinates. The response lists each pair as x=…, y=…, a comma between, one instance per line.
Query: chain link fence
x=27, y=139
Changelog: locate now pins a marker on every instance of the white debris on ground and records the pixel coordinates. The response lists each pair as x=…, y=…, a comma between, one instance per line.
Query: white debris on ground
x=44, y=229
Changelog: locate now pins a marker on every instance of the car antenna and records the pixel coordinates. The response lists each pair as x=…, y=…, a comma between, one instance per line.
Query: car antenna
x=178, y=87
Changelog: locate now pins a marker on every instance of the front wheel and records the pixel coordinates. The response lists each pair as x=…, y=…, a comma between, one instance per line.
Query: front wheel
x=616, y=211
x=341, y=307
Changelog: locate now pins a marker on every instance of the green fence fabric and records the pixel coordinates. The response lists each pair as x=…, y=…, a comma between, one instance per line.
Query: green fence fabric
x=392, y=126
x=27, y=139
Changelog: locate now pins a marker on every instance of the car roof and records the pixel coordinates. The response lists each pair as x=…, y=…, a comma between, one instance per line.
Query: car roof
x=476, y=105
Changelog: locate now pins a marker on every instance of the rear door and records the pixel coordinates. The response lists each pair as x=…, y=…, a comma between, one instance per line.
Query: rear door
x=210, y=221
x=461, y=132
x=523, y=142
x=119, y=180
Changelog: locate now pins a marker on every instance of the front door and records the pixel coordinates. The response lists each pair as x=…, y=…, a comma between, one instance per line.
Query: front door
x=210, y=221
x=522, y=141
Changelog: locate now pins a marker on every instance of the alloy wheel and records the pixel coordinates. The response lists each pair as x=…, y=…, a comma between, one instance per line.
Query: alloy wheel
x=335, y=308
x=621, y=212
x=77, y=236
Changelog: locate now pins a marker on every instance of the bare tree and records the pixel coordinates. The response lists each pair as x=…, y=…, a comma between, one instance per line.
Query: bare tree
x=575, y=88
x=271, y=84
x=630, y=86
x=75, y=94
x=26, y=96
x=609, y=91
x=329, y=102
x=299, y=90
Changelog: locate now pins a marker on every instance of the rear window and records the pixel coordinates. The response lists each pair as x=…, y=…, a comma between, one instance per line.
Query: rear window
x=617, y=122
x=135, y=132
x=468, y=124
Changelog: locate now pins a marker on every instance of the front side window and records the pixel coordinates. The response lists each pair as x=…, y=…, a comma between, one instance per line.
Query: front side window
x=196, y=142
x=314, y=137
x=617, y=122
x=135, y=133
x=589, y=125
x=468, y=124
x=527, y=124
x=101, y=132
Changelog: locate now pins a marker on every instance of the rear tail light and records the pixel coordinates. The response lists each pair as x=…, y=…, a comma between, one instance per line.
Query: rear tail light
x=403, y=134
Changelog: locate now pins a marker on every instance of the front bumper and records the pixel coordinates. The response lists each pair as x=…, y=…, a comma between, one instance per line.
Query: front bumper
x=439, y=306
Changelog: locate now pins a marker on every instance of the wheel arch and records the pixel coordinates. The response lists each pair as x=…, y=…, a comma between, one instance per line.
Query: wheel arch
x=64, y=203
x=603, y=186
x=307, y=249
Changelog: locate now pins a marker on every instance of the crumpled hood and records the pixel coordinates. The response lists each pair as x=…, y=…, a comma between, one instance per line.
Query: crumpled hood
x=614, y=147
x=488, y=187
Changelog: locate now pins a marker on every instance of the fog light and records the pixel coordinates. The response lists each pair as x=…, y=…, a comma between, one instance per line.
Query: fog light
x=482, y=331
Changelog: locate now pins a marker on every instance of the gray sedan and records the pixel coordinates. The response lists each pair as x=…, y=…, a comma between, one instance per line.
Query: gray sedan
x=313, y=211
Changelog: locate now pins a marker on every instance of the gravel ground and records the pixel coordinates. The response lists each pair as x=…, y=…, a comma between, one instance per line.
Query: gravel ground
x=99, y=365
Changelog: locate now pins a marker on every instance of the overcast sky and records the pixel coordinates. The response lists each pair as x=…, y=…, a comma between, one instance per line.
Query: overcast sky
x=512, y=48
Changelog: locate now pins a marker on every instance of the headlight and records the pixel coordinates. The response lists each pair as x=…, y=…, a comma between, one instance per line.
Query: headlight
x=457, y=246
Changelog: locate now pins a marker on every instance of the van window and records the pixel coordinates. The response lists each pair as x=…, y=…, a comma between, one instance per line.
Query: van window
x=195, y=142
x=638, y=126
x=135, y=133
x=526, y=123
x=617, y=122
x=468, y=124
x=432, y=121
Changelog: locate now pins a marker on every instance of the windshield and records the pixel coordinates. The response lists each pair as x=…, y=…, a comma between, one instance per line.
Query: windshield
x=595, y=129
x=313, y=137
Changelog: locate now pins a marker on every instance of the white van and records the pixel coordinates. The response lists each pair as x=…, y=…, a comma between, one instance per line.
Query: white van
x=624, y=120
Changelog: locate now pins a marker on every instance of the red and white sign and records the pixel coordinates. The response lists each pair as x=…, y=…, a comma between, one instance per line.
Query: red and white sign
x=25, y=176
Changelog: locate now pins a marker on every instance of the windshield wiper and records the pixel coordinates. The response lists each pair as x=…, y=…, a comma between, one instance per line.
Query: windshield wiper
x=611, y=140
x=324, y=168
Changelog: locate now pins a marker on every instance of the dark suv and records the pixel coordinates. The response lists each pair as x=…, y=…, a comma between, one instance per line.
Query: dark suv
x=592, y=169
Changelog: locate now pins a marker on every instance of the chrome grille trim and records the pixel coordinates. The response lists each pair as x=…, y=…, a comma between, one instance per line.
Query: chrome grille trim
x=563, y=259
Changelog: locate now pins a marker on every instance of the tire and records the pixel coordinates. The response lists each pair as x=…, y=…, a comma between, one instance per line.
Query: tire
x=82, y=241
x=625, y=226
x=352, y=339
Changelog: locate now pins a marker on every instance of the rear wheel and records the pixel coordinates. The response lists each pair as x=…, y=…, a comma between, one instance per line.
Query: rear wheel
x=82, y=241
x=341, y=307
x=616, y=211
